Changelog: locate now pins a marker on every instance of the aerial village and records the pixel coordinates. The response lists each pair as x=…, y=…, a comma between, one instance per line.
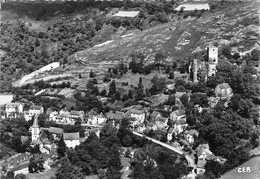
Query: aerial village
x=143, y=119
x=172, y=105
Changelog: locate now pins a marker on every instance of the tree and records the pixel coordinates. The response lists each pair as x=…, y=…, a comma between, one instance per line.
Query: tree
x=184, y=99
x=226, y=51
x=127, y=141
x=117, y=95
x=158, y=59
x=36, y=149
x=158, y=84
x=112, y=88
x=140, y=90
x=171, y=75
x=130, y=94
x=95, y=91
x=61, y=150
x=125, y=97
x=255, y=54
x=36, y=165
x=103, y=92
x=68, y=171
x=16, y=143
x=92, y=74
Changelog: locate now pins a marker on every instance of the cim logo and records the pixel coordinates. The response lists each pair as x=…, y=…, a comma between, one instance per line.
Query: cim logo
x=244, y=170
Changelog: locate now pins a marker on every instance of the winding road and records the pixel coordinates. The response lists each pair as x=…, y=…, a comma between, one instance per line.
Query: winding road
x=189, y=158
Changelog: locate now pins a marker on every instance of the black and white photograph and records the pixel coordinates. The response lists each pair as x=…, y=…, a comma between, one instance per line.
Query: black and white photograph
x=130, y=89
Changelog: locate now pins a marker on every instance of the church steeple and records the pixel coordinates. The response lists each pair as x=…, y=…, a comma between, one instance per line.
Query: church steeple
x=35, y=129
x=35, y=122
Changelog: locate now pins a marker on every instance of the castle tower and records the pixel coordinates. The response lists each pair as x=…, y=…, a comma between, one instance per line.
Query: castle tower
x=212, y=54
x=195, y=70
x=35, y=129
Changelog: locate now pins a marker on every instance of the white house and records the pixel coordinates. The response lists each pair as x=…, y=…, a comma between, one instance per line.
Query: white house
x=97, y=119
x=192, y=6
x=53, y=116
x=224, y=91
x=140, y=128
x=137, y=115
x=170, y=133
x=203, y=154
x=180, y=126
x=189, y=135
x=71, y=139
x=35, y=110
x=13, y=110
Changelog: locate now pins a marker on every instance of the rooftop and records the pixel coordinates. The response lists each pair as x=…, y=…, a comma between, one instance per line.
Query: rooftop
x=179, y=112
x=71, y=136
x=136, y=111
x=126, y=13
x=223, y=86
x=12, y=105
x=35, y=107
x=76, y=113
x=55, y=130
x=191, y=6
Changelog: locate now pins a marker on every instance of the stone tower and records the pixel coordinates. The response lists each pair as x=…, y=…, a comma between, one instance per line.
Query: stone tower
x=35, y=129
x=212, y=54
x=195, y=70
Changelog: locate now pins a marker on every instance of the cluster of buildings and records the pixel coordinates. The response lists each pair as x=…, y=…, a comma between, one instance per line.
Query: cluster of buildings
x=15, y=110
x=47, y=138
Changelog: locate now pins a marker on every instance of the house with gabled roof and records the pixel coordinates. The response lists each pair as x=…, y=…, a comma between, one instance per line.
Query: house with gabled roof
x=71, y=139
x=204, y=154
x=190, y=135
x=155, y=115
x=76, y=114
x=138, y=116
x=97, y=119
x=178, y=115
x=161, y=123
x=35, y=110
x=223, y=91
x=178, y=96
x=56, y=132
x=151, y=126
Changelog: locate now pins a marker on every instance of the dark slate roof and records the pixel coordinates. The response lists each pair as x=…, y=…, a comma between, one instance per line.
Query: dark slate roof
x=33, y=107
x=75, y=113
x=71, y=136
x=55, y=130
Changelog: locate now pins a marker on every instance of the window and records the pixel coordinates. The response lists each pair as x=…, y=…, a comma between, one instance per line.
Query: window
x=214, y=60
